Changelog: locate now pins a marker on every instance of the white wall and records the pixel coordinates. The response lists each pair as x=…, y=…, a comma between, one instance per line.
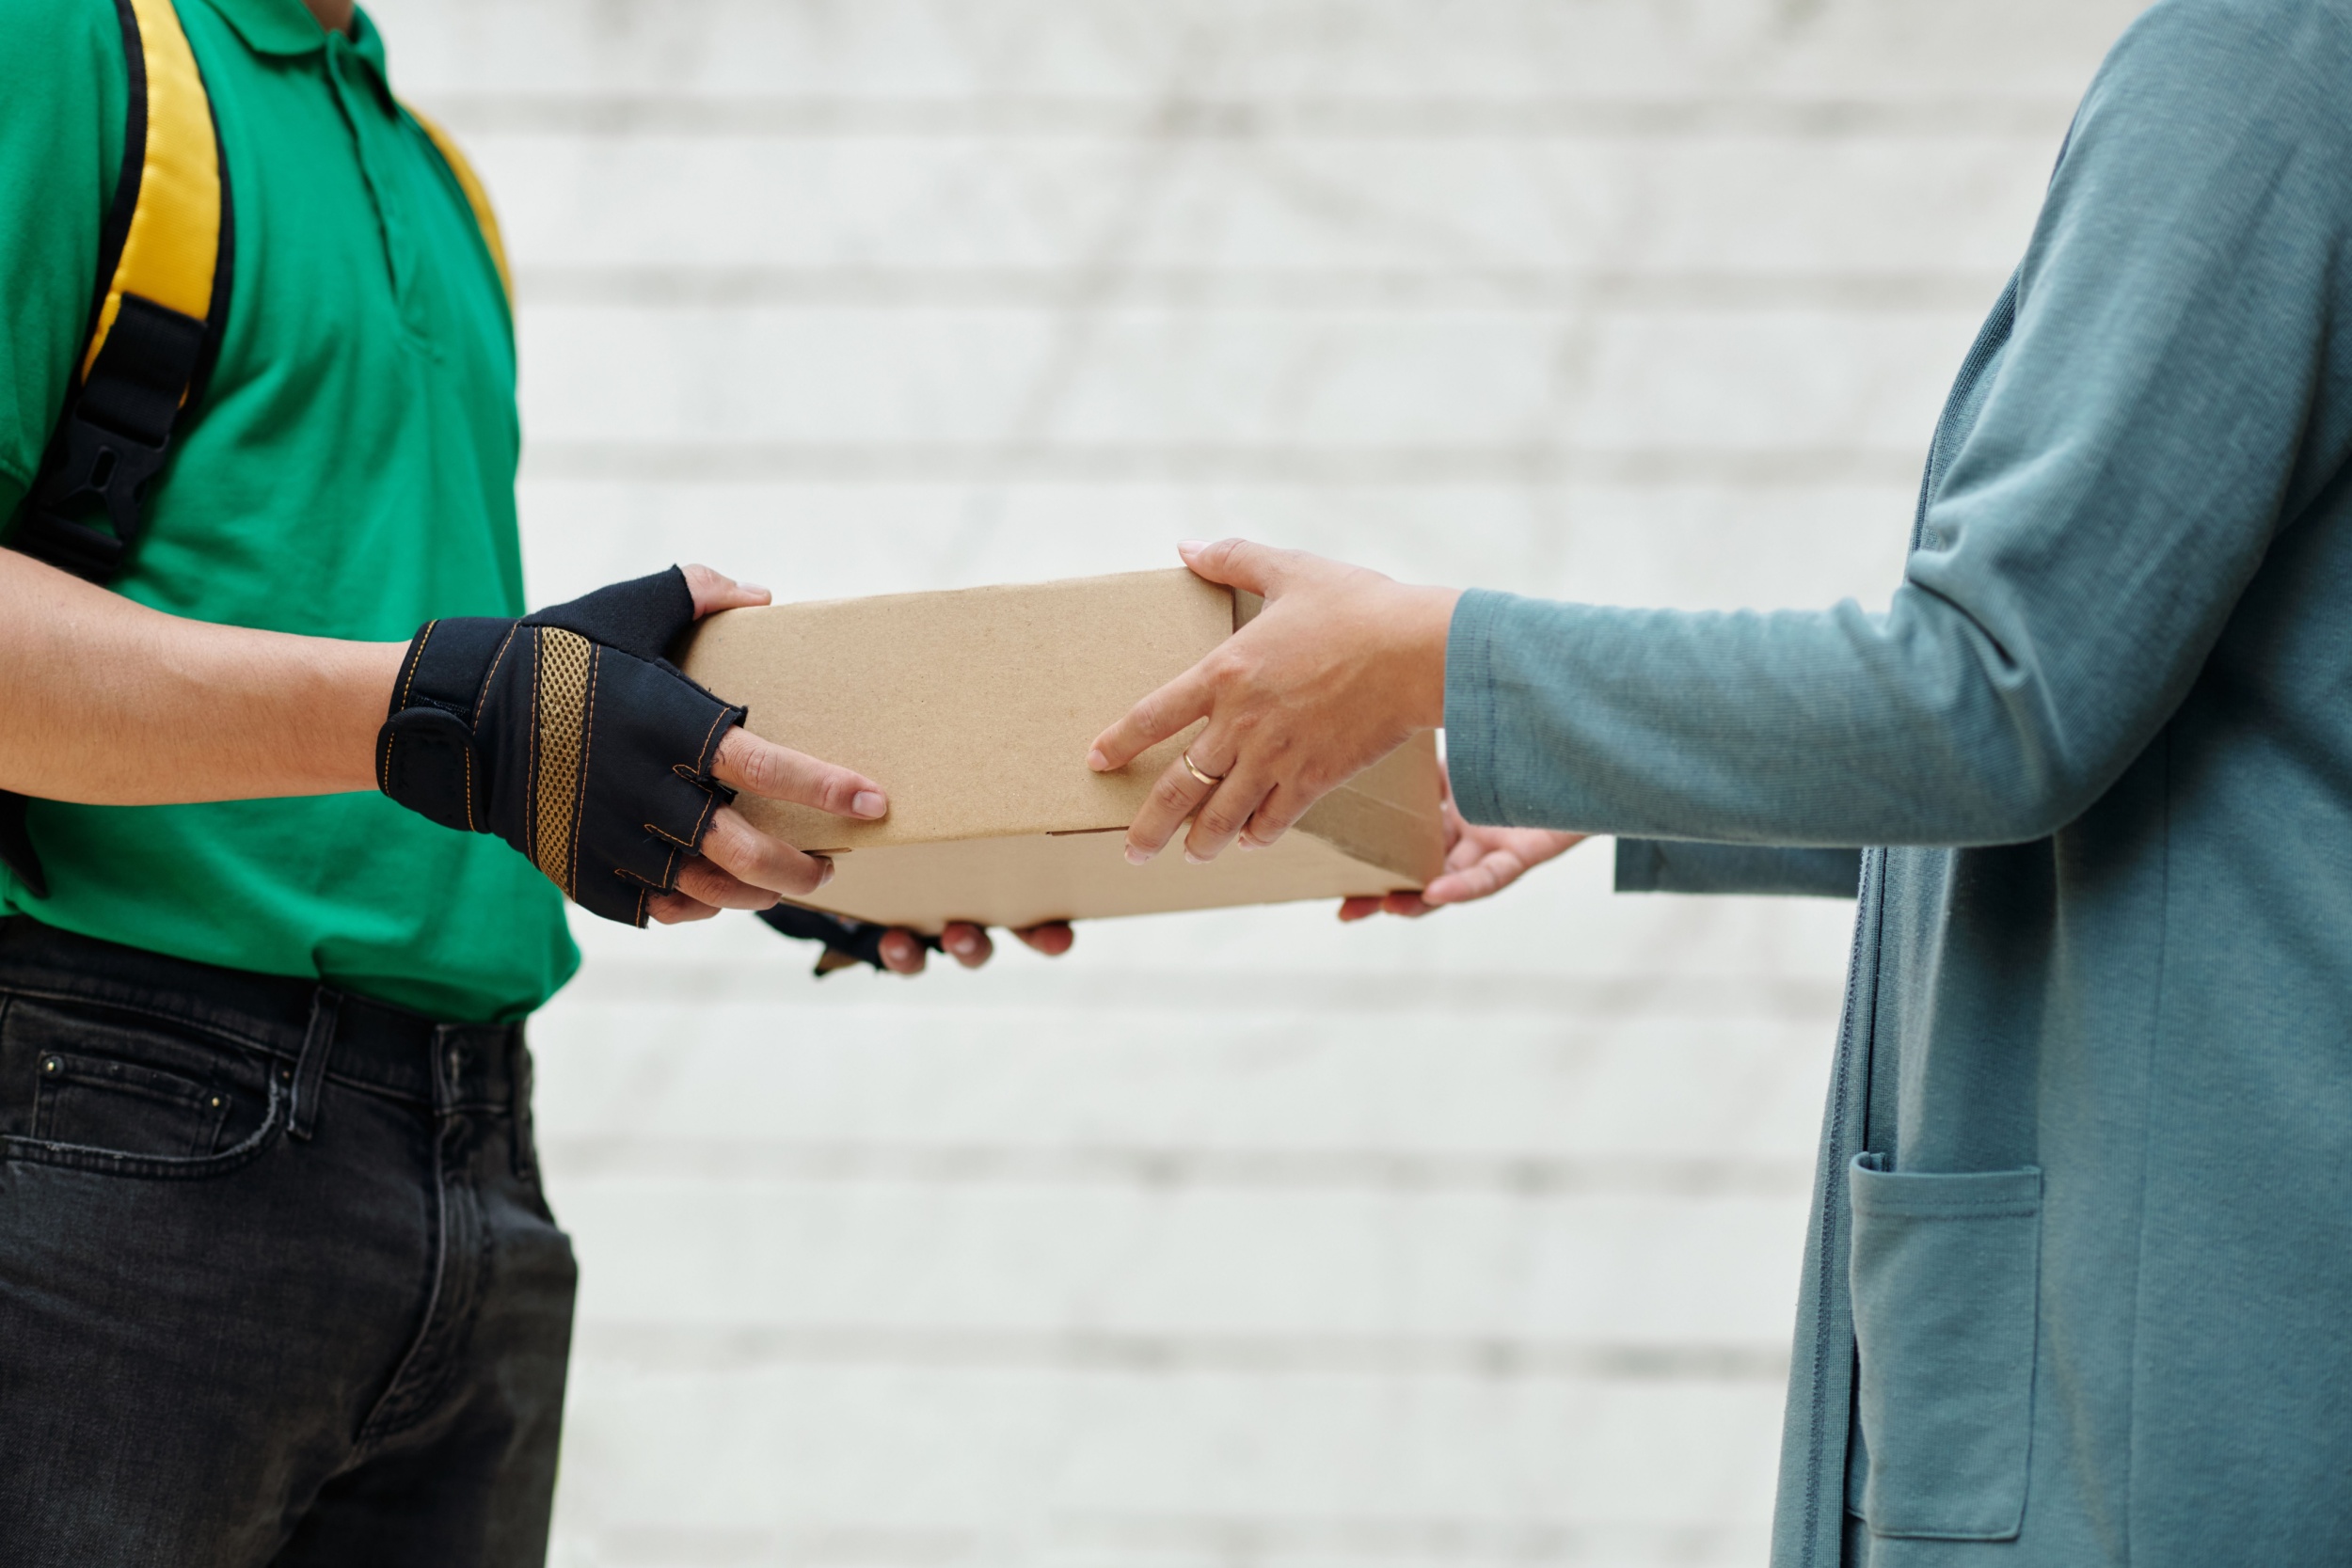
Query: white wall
x=1239, y=1238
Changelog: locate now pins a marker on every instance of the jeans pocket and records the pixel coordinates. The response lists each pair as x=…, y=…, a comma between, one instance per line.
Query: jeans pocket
x=103, y=1102
x=113, y=1091
x=1944, y=1274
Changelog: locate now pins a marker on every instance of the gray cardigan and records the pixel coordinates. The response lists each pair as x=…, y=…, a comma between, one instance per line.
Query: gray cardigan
x=2079, y=1283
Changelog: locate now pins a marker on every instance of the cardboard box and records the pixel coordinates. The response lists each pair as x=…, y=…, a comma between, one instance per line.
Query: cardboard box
x=975, y=711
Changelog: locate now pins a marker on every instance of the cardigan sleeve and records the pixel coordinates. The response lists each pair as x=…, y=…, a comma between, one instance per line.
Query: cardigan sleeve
x=2102, y=493
x=1670, y=866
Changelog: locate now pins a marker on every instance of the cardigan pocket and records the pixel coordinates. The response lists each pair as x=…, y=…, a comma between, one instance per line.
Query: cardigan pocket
x=1943, y=1270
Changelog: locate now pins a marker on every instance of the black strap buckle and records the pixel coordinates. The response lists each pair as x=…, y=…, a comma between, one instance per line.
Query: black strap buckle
x=98, y=469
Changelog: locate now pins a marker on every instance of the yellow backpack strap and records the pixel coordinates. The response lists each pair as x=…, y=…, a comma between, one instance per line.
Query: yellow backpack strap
x=477, y=196
x=161, y=298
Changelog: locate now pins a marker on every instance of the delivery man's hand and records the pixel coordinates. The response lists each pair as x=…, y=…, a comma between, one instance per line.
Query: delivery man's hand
x=740, y=866
x=1479, y=862
x=737, y=858
x=570, y=734
x=969, y=946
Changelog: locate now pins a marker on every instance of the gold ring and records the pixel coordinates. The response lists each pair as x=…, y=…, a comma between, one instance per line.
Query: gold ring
x=1212, y=780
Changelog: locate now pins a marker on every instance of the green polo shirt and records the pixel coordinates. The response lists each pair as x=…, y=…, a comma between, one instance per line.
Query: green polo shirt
x=352, y=475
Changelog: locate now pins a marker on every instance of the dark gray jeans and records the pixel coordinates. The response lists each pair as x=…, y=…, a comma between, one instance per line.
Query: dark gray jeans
x=277, y=1282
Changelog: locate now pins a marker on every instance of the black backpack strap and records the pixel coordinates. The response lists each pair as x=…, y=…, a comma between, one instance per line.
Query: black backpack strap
x=166, y=255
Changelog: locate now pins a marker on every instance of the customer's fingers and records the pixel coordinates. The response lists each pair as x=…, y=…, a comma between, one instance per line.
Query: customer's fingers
x=1238, y=564
x=735, y=845
x=1162, y=713
x=716, y=590
x=1053, y=938
x=1175, y=795
x=1235, y=562
x=1283, y=806
x=967, y=943
x=1364, y=907
x=1482, y=879
x=677, y=909
x=1217, y=821
x=757, y=766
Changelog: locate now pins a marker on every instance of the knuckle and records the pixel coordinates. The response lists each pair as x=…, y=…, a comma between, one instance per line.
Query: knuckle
x=764, y=771
x=722, y=841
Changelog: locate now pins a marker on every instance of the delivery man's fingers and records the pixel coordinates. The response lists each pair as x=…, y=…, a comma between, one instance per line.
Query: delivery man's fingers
x=967, y=943
x=1053, y=938
x=707, y=882
x=758, y=766
x=736, y=847
x=715, y=592
x=675, y=909
x=902, y=955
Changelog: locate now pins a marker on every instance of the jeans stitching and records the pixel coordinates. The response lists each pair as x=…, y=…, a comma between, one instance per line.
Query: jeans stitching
x=151, y=1167
x=215, y=1034
x=177, y=1021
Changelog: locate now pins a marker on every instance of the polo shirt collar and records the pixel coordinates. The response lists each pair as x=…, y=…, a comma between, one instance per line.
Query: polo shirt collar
x=272, y=26
x=287, y=28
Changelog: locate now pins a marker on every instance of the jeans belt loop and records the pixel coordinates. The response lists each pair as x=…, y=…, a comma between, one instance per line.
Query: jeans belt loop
x=318, y=1043
x=525, y=1140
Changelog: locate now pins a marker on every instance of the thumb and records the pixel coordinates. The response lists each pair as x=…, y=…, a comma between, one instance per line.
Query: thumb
x=716, y=590
x=1236, y=564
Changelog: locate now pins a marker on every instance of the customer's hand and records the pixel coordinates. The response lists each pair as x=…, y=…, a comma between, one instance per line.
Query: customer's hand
x=1479, y=863
x=1342, y=667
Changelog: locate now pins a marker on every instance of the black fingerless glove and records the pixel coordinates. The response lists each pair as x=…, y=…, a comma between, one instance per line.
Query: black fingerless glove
x=569, y=736
x=845, y=941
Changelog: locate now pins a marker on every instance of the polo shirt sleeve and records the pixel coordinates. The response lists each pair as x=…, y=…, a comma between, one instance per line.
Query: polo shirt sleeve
x=2173, y=391
x=63, y=81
